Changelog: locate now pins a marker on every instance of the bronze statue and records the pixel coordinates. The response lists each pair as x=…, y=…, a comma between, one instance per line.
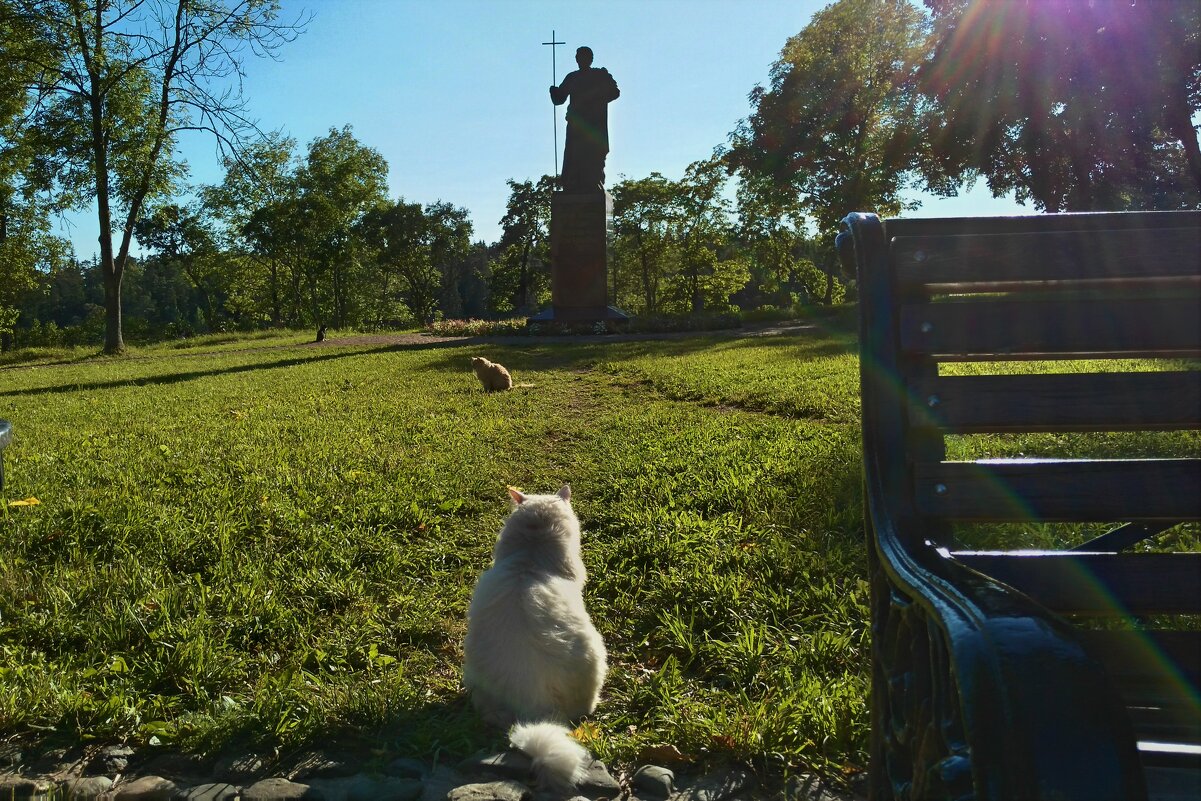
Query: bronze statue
x=590, y=90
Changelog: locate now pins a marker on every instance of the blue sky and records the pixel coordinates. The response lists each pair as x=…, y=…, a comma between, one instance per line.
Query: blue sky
x=453, y=93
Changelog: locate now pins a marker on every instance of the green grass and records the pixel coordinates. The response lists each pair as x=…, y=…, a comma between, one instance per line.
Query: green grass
x=267, y=543
x=270, y=545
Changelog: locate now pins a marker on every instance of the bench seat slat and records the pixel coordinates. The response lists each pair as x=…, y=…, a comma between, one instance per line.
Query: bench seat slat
x=1051, y=256
x=1097, y=584
x=1058, y=402
x=1006, y=328
x=1060, y=490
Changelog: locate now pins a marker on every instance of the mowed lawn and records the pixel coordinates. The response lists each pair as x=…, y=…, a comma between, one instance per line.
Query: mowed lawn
x=275, y=543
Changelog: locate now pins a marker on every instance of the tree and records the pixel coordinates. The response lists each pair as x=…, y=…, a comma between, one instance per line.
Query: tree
x=770, y=234
x=837, y=127
x=642, y=244
x=340, y=181
x=183, y=239
x=450, y=249
x=263, y=178
x=700, y=228
x=672, y=244
x=1074, y=104
x=399, y=237
x=117, y=80
x=416, y=252
x=26, y=202
x=521, y=272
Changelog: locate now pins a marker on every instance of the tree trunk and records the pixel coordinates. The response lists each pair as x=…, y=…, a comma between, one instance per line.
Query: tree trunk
x=297, y=294
x=110, y=268
x=1181, y=125
x=276, y=306
x=648, y=292
x=523, y=282
x=316, y=307
x=6, y=337
x=336, y=270
x=114, y=340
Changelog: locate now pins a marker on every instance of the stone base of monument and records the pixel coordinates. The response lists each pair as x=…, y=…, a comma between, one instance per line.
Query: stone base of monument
x=579, y=260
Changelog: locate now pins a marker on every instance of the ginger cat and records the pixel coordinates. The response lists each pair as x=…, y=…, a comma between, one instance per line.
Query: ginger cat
x=493, y=376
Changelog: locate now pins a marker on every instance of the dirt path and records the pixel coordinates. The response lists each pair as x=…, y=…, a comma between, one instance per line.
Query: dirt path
x=761, y=330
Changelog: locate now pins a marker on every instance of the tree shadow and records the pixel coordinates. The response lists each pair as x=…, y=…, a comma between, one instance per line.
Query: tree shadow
x=529, y=353
x=191, y=375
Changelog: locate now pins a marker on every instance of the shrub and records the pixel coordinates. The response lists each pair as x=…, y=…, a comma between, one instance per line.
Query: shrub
x=479, y=328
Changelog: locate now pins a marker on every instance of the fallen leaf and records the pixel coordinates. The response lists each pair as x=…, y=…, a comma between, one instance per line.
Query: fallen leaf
x=723, y=741
x=30, y=501
x=661, y=753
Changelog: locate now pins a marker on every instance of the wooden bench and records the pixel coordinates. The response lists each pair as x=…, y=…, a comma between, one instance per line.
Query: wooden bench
x=1061, y=659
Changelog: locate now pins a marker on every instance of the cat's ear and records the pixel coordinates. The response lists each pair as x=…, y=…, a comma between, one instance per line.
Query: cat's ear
x=516, y=495
x=565, y=493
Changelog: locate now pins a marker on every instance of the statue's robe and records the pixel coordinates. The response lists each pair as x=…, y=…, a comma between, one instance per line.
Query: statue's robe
x=590, y=91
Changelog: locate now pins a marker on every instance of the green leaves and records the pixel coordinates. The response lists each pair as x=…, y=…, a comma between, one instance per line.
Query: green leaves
x=836, y=126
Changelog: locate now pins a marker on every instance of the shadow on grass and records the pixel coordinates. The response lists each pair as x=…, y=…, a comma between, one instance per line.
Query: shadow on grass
x=191, y=375
x=525, y=352
x=530, y=354
x=444, y=731
x=435, y=733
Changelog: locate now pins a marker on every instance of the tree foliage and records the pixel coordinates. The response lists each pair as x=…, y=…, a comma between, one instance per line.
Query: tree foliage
x=673, y=242
x=1074, y=105
x=521, y=274
x=339, y=182
x=837, y=124
x=418, y=254
x=642, y=244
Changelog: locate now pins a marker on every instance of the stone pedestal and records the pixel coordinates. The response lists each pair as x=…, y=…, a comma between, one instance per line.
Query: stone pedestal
x=579, y=259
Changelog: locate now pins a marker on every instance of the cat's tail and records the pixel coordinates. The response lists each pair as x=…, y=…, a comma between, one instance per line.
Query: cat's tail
x=560, y=762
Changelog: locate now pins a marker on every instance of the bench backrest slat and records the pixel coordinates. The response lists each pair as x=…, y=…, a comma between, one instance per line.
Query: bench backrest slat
x=1054, y=256
x=1059, y=327
x=1171, y=657
x=1057, y=402
x=1060, y=490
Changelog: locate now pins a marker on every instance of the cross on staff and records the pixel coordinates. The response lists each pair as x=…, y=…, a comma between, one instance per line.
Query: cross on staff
x=554, y=71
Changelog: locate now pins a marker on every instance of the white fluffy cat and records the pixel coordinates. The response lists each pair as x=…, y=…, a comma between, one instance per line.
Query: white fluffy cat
x=532, y=656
